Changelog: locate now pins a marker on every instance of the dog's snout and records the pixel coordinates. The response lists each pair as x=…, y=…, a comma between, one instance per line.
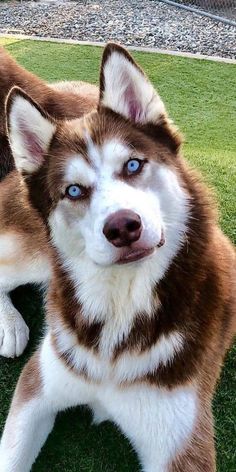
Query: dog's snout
x=123, y=228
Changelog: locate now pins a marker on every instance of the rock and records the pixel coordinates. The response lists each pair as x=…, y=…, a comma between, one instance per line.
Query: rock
x=131, y=22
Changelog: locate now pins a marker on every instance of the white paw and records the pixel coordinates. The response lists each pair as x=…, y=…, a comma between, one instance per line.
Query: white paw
x=14, y=334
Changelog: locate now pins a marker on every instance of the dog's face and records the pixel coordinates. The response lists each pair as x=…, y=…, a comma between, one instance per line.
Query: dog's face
x=109, y=178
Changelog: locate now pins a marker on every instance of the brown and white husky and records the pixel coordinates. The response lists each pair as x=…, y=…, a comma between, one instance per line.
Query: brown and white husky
x=23, y=243
x=141, y=302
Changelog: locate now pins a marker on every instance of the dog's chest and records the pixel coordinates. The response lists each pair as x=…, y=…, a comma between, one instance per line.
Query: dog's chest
x=101, y=365
x=116, y=338
x=165, y=416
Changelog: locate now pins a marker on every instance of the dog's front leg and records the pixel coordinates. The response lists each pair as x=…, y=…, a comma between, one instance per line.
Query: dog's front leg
x=20, y=264
x=14, y=333
x=157, y=421
x=45, y=387
x=29, y=422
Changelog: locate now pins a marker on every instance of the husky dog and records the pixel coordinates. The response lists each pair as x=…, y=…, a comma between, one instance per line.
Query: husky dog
x=141, y=302
x=23, y=247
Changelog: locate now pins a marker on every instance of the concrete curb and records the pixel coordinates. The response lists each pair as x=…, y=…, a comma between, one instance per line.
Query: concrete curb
x=131, y=48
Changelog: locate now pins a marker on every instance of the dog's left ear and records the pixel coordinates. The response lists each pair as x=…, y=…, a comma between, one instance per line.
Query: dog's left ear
x=29, y=129
x=125, y=89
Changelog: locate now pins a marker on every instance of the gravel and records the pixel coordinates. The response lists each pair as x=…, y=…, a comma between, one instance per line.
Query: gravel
x=138, y=23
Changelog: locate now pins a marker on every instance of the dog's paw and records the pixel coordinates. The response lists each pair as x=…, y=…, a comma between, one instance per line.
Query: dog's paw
x=14, y=334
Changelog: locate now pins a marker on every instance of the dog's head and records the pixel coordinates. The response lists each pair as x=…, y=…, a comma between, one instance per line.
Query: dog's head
x=107, y=183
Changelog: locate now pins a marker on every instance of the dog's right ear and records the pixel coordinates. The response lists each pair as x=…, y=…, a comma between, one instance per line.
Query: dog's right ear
x=30, y=130
x=125, y=89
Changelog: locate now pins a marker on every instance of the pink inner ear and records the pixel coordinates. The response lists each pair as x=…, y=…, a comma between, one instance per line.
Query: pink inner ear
x=31, y=142
x=136, y=113
x=135, y=110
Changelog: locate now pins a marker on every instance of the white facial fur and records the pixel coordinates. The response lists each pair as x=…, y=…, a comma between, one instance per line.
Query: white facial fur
x=108, y=291
x=156, y=197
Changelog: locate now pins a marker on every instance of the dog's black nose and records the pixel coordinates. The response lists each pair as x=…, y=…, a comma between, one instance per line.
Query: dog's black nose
x=123, y=228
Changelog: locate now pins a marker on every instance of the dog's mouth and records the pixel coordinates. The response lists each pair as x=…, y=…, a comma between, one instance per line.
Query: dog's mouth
x=137, y=254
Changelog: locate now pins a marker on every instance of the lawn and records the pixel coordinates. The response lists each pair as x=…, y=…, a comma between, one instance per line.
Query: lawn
x=200, y=97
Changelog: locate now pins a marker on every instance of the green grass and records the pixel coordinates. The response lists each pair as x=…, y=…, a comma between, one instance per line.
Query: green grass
x=200, y=96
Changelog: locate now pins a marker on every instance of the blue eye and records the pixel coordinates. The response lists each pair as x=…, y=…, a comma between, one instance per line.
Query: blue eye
x=133, y=166
x=74, y=192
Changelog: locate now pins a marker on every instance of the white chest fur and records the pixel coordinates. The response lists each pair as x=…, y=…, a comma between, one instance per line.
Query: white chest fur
x=157, y=421
x=128, y=367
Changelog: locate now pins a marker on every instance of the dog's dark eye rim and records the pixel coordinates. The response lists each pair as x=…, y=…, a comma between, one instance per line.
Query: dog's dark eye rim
x=84, y=192
x=141, y=163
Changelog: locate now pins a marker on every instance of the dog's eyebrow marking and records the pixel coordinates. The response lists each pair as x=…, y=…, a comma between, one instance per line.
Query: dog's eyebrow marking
x=92, y=150
x=79, y=171
x=115, y=149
